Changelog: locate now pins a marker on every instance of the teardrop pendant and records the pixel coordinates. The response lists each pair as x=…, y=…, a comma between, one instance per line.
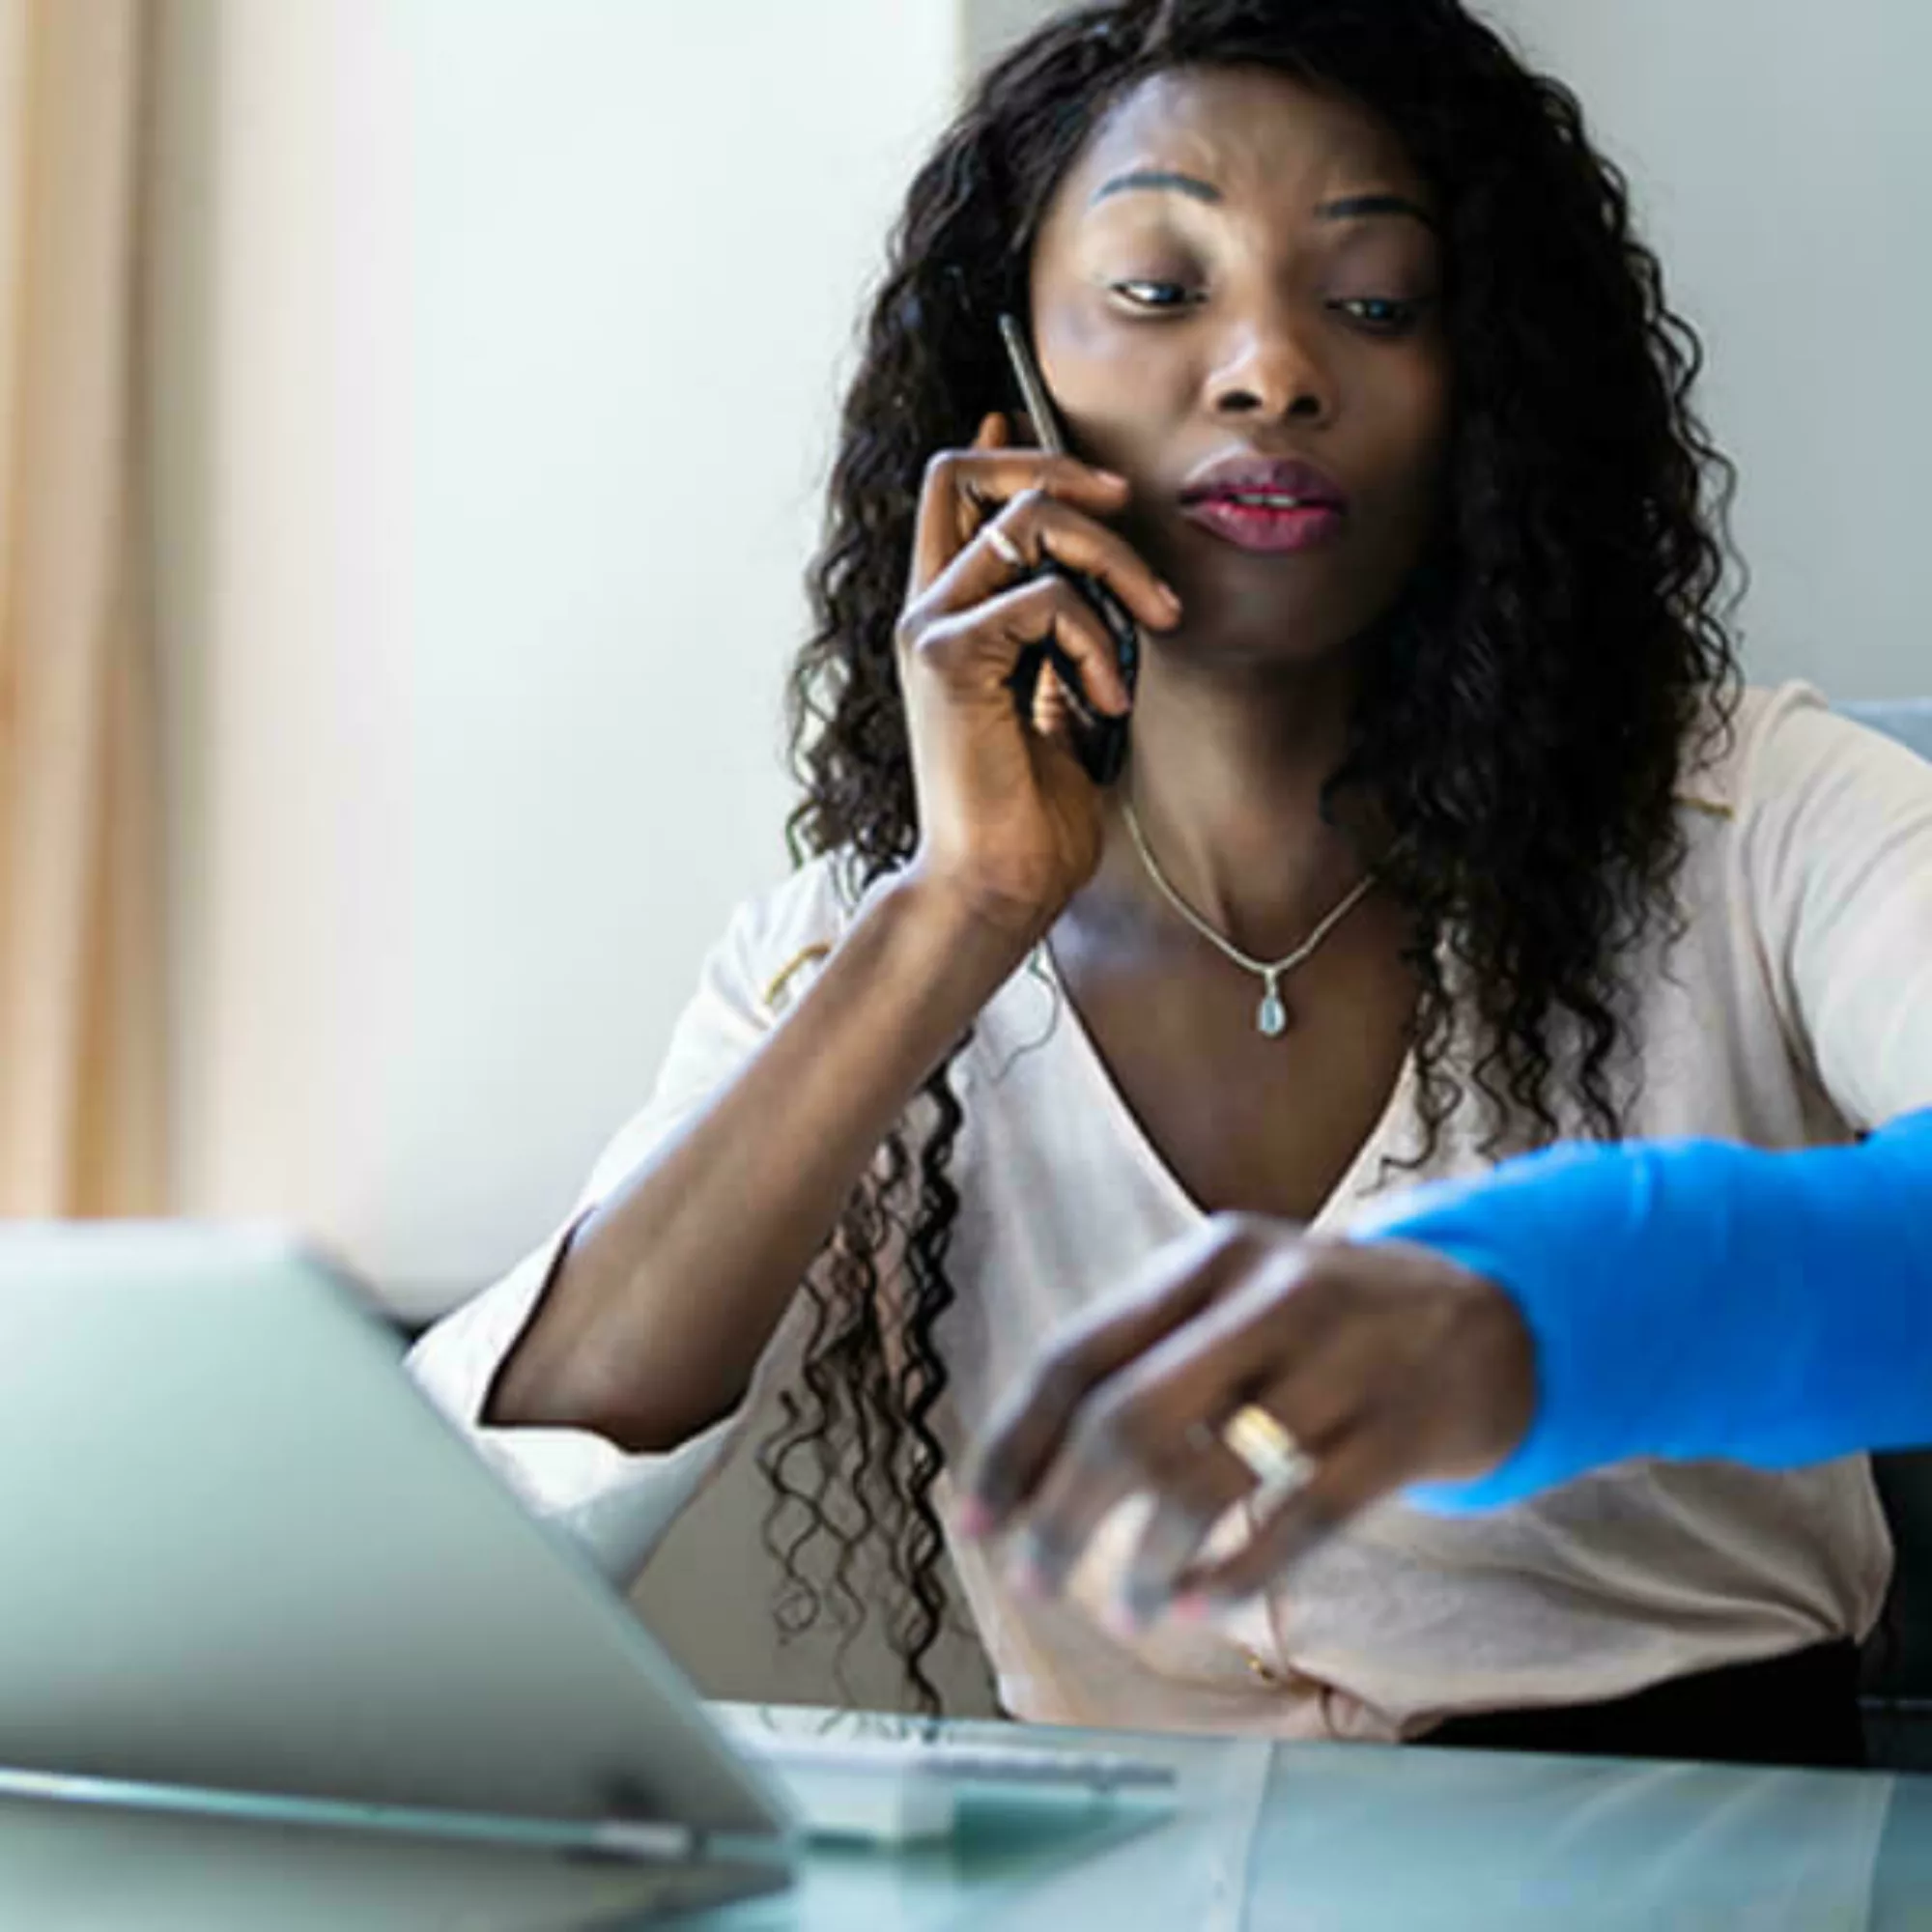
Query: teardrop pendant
x=1271, y=1017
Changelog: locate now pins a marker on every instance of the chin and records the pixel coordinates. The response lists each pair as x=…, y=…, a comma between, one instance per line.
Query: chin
x=1273, y=631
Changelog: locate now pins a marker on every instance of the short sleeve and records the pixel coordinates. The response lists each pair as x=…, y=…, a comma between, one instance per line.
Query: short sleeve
x=1835, y=839
x=619, y=1505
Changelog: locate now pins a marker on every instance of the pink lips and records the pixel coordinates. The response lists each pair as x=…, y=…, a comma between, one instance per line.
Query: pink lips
x=1276, y=506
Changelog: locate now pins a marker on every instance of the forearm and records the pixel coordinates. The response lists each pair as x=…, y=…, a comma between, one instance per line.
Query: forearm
x=1695, y=1299
x=672, y=1290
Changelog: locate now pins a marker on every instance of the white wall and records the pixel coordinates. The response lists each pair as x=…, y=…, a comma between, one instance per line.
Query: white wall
x=991, y=26
x=1781, y=155
x=495, y=346
x=499, y=340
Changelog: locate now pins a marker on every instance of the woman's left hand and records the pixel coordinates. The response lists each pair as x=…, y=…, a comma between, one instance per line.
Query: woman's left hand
x=1387, y=1363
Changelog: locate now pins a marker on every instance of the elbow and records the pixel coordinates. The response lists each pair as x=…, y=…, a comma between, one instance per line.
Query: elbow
x=532, y=1392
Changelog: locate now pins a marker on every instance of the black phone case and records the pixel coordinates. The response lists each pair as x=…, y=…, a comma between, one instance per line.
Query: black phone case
x=1099, y=741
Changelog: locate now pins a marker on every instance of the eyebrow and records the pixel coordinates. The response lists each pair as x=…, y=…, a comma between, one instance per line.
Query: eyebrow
x=1355, y=207
x=1158, y=178
x=1350, y=208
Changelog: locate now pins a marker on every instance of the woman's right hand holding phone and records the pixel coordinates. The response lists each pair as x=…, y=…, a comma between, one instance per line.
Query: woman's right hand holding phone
x=671, y=1290
x=1009, y=819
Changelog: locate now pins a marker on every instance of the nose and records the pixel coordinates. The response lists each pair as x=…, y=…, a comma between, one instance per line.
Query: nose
x=1268, y=372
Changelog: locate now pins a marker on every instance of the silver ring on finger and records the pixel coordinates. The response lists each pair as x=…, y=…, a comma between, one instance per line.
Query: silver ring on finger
x=1005, y=548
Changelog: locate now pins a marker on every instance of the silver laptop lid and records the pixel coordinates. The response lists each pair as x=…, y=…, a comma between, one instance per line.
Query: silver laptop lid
x=238, y=1549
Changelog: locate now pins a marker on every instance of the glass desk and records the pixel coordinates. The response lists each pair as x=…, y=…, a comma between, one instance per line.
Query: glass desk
x=1279, y=1837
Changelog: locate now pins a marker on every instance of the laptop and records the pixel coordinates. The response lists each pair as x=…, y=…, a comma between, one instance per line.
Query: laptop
x=247, y=1568
x=249, y=1573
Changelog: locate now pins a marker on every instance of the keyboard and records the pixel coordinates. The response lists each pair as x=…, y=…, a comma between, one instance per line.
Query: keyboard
x=893, y=1789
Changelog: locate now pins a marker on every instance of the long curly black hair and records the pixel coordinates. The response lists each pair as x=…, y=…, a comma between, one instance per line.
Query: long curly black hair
x=1525, y=714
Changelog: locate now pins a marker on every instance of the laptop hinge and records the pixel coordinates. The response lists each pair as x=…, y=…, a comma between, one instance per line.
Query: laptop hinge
x=640, y=1842
x=651, y=1841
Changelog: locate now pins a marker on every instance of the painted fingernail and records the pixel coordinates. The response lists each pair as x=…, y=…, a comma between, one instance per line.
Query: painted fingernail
x=974, y=1519
x=1192, y=1606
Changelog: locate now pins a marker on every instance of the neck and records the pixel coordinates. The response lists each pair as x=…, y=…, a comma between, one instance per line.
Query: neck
x=1226, y=781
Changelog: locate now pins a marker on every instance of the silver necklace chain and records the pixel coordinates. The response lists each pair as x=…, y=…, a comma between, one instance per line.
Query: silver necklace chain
x=1271, y=1017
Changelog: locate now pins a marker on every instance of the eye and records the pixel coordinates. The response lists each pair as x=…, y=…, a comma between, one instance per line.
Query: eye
x=1156, y=294
x=1381, y=315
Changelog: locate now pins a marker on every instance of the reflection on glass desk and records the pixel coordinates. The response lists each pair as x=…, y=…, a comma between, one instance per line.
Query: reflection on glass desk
x=1280, y=1837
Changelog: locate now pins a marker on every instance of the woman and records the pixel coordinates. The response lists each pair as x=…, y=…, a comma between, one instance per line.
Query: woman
x=1445, y=835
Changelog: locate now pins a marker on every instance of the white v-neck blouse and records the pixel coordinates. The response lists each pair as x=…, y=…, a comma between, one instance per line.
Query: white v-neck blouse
x=1795, y=1010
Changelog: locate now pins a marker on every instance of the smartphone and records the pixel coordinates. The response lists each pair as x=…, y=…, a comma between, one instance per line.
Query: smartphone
x=1099, y=742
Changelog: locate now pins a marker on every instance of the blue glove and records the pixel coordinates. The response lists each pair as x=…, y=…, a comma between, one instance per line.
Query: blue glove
x=1694, y=1299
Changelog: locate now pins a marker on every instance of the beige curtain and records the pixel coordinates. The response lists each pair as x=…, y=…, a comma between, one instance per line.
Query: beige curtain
x=80, y=1006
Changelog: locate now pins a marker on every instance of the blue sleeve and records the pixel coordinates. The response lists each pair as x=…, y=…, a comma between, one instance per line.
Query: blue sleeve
x=1694, y=1299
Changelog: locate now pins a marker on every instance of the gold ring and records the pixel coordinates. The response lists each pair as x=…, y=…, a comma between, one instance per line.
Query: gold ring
x=1267, y=1446
x=1005, y=548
